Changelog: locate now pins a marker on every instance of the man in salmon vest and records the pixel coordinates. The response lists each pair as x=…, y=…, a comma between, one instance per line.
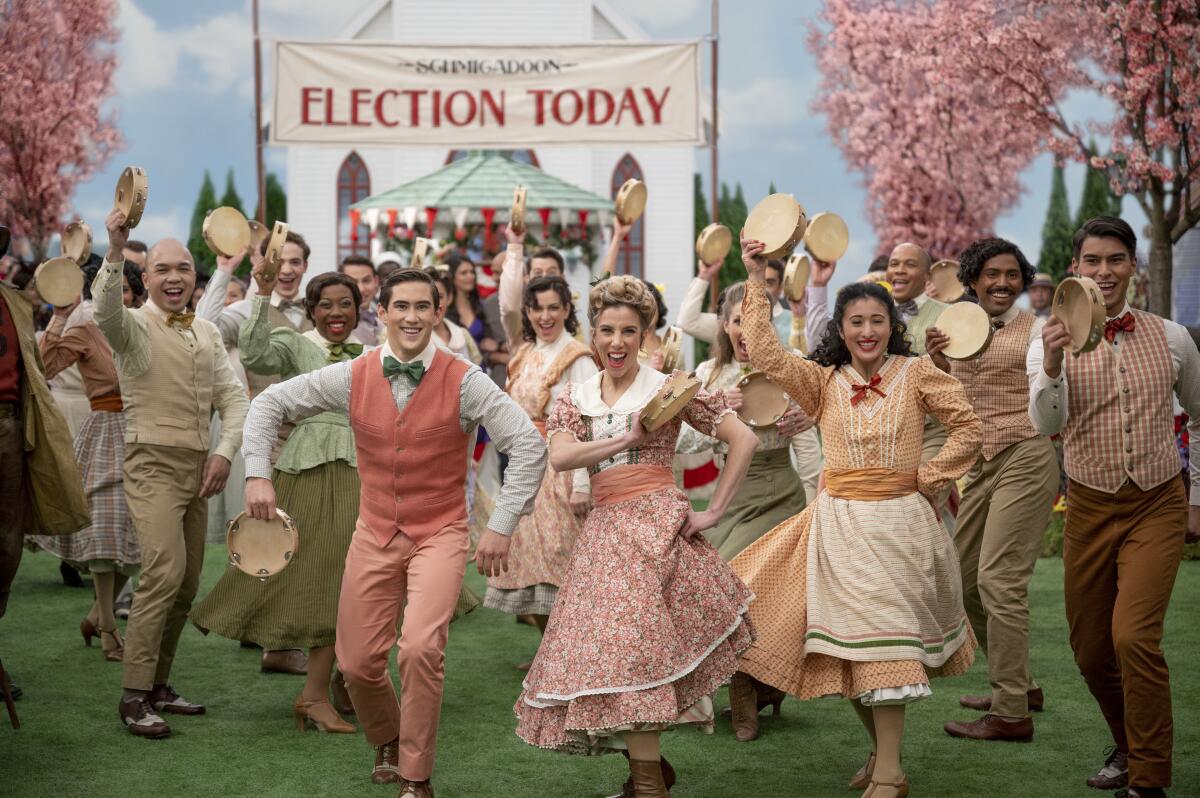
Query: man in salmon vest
x=412, y=407
x=1128, y=513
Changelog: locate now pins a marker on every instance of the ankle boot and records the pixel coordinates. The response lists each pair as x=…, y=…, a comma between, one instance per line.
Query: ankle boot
x=647, y=779
x=668, y=774
x=743, y=700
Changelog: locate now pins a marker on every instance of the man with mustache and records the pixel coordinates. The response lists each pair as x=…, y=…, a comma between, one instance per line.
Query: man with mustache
x=1009, y=491
x=1128, y=514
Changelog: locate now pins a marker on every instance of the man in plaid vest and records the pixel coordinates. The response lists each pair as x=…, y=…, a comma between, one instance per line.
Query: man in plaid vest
x=1128, y=514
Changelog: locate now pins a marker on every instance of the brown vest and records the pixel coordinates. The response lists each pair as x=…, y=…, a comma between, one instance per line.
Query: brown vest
x=998, y=388
x=260, y=382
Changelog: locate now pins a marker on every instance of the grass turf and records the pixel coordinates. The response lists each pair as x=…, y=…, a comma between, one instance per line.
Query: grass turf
x=72, y=743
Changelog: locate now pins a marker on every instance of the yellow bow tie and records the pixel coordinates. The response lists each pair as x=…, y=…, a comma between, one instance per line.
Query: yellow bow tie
x=184, y=320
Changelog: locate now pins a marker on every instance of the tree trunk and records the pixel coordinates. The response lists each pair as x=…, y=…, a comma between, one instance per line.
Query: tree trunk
x=1161, y=260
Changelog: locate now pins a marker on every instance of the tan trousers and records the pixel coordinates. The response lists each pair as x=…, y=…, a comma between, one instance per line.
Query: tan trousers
x=1001, y=521
x=162, y=484
x=1121, y=552
x=378, y=583
x=16, y=512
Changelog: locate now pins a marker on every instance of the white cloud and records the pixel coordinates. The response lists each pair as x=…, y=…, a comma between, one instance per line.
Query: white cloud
x=763, y=111
x=660, y=13
x=147, y=60
x=169, y=223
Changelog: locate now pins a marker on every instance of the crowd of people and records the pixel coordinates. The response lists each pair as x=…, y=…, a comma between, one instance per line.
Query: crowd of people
x=881, y=533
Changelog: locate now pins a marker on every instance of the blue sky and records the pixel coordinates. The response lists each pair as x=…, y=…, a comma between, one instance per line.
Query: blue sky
x=185, y=104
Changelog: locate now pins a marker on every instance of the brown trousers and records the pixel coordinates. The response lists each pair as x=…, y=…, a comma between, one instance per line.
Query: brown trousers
x=1001, y=521
x=162, y=485
x=16, y=512
x=1121, y=552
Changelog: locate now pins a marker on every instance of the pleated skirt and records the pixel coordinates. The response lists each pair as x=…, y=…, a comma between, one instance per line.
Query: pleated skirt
x=770, y=494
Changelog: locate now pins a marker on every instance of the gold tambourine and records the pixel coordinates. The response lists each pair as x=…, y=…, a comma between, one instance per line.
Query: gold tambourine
x=517, y=217
x=130, y=196
x=273, y=257
x=944, y=275
x=258, y=233
x=226, y=231
x=795, y=276
x=763, y=402
x=672, y=356
x=631, y=201
x=1079, y=303
x=59, y=281
x=827, y=237
x=77, y=242
x=778, y=221
x=714, y=243
x=969, y=329
x=262, y=548
x=672, y=397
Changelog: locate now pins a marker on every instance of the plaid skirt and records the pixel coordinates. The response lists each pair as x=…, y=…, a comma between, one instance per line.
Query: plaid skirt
x=110, y=542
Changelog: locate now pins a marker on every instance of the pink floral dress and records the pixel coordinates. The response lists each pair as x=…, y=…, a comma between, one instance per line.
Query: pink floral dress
x=647, y=625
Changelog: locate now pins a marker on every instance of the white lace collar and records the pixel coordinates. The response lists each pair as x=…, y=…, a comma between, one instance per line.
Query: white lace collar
x=645, y=385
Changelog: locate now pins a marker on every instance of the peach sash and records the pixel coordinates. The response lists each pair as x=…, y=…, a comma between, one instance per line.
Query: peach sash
x=869, y=484
x=109, y=402
x=540, y=423
x=624, y=482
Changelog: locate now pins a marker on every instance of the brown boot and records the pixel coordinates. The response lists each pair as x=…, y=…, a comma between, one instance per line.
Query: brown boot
x=647, y=779
x=321, y=714
x=387, y=763
x=668, y=773
x=743, y=700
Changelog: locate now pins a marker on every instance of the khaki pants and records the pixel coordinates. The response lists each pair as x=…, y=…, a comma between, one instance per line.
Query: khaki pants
x=1005, y=507
x=162, y=484
x=378, y=583
x=1121, y=552
x=16, y=512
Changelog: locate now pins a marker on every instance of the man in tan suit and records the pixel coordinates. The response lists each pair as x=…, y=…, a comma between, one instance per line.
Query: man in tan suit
x=174, y=371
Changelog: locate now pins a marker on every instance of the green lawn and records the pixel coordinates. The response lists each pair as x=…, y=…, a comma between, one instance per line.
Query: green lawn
x=73, y=745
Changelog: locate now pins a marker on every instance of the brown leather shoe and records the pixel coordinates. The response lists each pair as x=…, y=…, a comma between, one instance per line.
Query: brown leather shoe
x=743, y=700
x=141, y=720
x=415, y=789
x=647, y=779
x=668, y=778
x=387, y=763
x=901, y=787
x=112, y=645
x=321, y=714
x=339, y=695
x=1142, y=792
x=862, y=779
x=293, y=661
x=983, y=703
x=992, y=727
x=164, y=698
x=1115, y=773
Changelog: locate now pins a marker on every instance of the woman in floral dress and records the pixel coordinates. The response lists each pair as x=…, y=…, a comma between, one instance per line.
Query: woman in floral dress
x=860, y=595
x=538, y=373
x=649, y=620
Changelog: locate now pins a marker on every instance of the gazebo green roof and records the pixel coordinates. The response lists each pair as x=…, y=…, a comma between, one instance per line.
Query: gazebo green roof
x=486, y=180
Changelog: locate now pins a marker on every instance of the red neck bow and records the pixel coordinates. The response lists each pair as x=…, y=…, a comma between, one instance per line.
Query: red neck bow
x=1123, y=323
x=860, y=391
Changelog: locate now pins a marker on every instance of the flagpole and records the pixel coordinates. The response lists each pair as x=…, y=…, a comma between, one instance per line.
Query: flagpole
x=716, y=210
x=261, y=182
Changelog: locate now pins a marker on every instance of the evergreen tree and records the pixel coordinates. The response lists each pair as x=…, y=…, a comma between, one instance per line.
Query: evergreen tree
x=230, y=198
x=1057, y=230
x=201, y=254
x=276, y=201
x=772, y=189
x=1098, y=198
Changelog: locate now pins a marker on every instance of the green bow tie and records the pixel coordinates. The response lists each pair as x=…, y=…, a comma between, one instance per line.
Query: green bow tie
x=344, y=350
x=415, y=370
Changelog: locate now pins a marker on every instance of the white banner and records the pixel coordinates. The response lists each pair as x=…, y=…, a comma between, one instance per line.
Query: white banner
x=369, y=93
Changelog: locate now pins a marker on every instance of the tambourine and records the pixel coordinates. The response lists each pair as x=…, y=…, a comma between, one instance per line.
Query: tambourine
x=778, y=221
x=262, y=548
x=258, y=233
x=944, y=275
x=969, y=329
x=5, y=240
x=827, y=237
x=421, y=247
x=763, y=402
x=77, y=242
x=517, y=216
x=672, y=397
x=672, y=356
x=631, y=201
x=226, y=231
x=130, y=197
x=59, y=281
x=795, y=276
x=273, y=257
x=714, y=243
x=1079, y=303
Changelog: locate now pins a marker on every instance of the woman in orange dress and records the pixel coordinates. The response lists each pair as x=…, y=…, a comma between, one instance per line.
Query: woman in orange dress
x=859, y=595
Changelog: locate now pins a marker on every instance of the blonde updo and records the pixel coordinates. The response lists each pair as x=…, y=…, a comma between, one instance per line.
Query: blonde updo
x=622, y=291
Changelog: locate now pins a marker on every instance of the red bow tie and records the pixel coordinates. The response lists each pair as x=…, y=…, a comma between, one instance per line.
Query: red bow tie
x=1120, y=324
x=860, y=391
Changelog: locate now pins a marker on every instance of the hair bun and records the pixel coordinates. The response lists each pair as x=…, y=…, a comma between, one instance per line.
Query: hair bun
x=622, y=290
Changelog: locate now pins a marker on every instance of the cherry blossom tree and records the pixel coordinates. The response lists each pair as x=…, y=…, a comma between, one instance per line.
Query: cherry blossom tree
x=56, y=74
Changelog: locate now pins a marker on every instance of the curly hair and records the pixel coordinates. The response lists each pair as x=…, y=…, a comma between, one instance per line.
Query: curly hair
x=832, y=351
x=312, y=294
x=540, y=285
x=622, y=291
x=972, y=259
x=131, y=273
x=660, y=306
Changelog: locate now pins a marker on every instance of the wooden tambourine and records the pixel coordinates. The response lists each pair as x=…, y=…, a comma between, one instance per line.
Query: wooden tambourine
x=517, y=217
x=672, y=357
x=944, y=274
x=1079, y=303
x=421, y=248
x=763, y=402
x=273, y=257
x=77, y=242
x=969, y=329
x=258, y=233
x=226, y=231
x=795, y=276
x=714, y=243
x=262, y=548
x=827, y=237
x=631, y=201
x=130, y=197
x=672, y=397
x=59, y=281
x=779, y=222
